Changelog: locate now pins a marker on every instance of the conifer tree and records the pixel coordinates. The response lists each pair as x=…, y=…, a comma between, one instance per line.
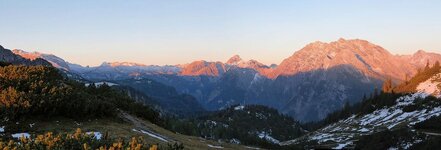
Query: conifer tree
x=375, y=92
x=427, y=66
x=387, y=86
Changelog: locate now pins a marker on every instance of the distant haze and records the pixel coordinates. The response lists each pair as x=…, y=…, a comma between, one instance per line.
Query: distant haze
x=178, y=32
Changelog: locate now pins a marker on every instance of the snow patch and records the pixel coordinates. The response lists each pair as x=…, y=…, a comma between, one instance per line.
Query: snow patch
x=341, y=146
x=151, y=135
x=364, y=130
x=214, y=146
x=266, y=136
x=252, y=147
x=239, y=107
x=430, y=86
x=98, y=84
x=96, y=135
x=235, y=141
x=19, y=135
x=346, y=130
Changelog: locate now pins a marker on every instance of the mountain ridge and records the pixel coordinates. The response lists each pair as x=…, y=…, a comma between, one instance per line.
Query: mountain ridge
x=7, y=55
x=343, y=71
x=56, y=61
x=317, y=55
x=368, y=57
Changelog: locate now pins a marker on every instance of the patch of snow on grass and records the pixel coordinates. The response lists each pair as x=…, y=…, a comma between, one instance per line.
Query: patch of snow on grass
x=341, y=146
x=389, y=117
x=410, y=144
x=151, y=135
x=409, y=99
x=252, y=147
x=19, y=135
x=364, y=130
x=235, y=141
x=368, y=119
x=96, y=135
x=430, y=86
x=214, y=146
x=239, y=107
x=323, y=137
x=98, y=84
x=266, y=136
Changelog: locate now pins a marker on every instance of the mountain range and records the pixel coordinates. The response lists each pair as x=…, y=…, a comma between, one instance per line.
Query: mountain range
x=315, y=81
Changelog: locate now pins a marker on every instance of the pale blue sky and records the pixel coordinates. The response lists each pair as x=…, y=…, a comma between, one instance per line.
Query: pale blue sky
x=175, y=32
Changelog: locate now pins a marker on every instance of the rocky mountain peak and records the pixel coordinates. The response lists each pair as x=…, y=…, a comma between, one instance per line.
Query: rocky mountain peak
x=255, y=64
x=126, y=64
x=420, y=52
x=205, y=68
x=234, y=60
x=421, y=58
x=27, y=55
x=369, y=58
x=7, y=55
x=54, y=60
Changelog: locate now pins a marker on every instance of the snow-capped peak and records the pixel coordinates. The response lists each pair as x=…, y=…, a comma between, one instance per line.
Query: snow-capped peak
x=123, y=64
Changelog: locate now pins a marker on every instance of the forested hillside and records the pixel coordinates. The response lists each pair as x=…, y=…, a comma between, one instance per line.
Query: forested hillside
x=379, y=99
x=38, y=91
x=41, y=105
x=404, y=116
x=411, y=85
x=250, y=125
x=166, y=97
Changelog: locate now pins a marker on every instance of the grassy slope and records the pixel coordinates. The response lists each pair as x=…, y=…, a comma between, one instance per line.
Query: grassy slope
x=122, y=128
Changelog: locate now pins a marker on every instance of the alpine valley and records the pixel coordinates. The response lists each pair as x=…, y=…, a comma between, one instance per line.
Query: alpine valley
x=343, y=94
x=315, y=81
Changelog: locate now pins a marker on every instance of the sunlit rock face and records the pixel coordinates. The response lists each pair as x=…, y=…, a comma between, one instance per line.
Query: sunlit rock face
x=54, y=60
x=308, y=85
x=7, y=55
x=205, y=68
x=369, y=58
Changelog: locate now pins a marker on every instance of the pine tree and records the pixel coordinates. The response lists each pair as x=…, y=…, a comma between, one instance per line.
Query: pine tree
x=406, y=81
x=375, y=92
x=437, y=65
x=427, y=66
x=387, y=86
x=346, y=109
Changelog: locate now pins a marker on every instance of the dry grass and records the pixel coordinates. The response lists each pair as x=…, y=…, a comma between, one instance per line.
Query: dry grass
x=118, y=128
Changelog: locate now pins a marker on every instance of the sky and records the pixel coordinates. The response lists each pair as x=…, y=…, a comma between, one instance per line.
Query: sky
x=180, y=31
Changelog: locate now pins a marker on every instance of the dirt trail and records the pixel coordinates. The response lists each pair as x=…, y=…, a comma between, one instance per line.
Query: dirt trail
x=432, y=133
x=141, y=127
